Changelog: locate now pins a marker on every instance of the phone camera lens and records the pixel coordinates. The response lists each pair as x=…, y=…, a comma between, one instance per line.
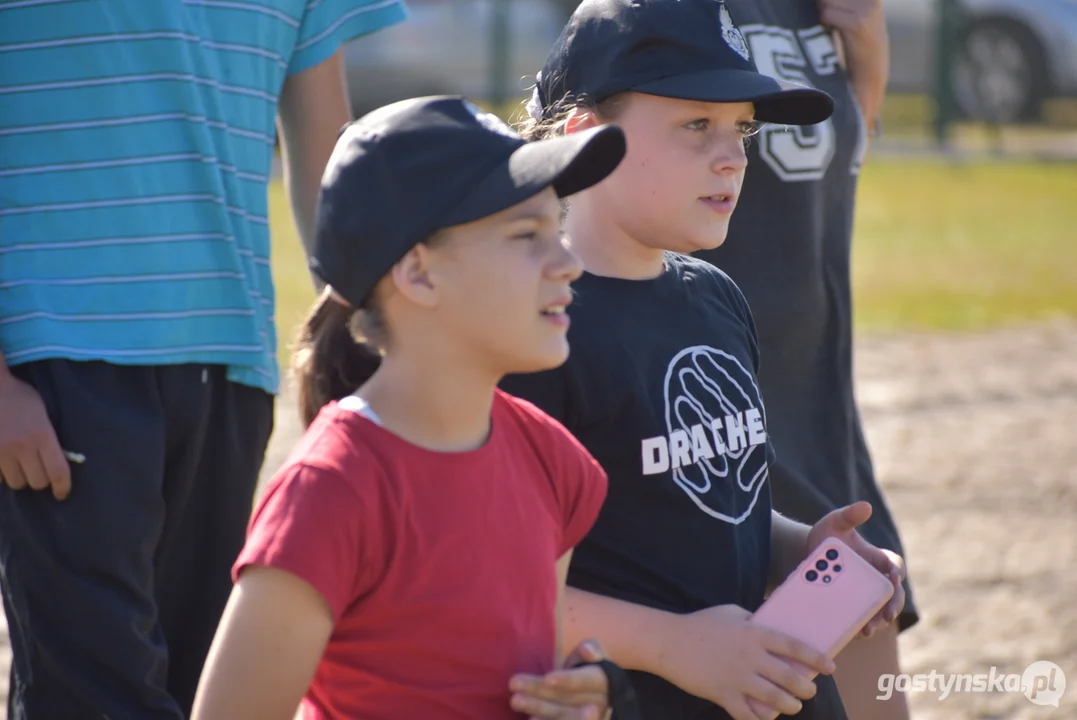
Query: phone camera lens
x=837, y=568
x=811, y=575
x=826, y=578
x=821, y=565
x=832, y=554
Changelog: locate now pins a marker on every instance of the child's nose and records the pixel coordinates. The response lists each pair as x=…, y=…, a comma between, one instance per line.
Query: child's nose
x=567, y=264
x=731, y=155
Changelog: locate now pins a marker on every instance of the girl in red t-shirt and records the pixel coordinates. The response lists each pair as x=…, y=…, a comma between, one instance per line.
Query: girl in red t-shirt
x=408, y=560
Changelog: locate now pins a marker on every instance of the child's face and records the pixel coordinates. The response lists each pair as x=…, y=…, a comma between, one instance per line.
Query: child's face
x=503, y=283
x=678, y=184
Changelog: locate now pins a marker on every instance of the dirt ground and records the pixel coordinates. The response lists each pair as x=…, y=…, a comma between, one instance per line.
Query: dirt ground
x=975, y=442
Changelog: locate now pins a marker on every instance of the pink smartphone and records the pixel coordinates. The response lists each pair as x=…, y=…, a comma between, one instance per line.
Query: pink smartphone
x=827, y=600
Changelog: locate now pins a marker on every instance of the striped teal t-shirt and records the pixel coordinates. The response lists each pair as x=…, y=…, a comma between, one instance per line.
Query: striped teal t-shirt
x=136, y=142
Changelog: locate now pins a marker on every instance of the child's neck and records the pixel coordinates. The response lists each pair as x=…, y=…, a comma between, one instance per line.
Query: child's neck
x=432, y=403
x=606, y=249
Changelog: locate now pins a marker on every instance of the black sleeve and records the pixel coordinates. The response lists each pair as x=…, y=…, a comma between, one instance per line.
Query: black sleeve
x=753, y=332
x=741, y=302
x=733, y=291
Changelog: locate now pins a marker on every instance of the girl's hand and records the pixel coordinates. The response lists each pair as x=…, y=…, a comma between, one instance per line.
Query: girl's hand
x=842, y=524
x=571, y=693
x=718, y=654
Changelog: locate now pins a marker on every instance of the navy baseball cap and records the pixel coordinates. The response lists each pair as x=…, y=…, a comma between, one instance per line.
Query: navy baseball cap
x=403, y=171
x=686, y=49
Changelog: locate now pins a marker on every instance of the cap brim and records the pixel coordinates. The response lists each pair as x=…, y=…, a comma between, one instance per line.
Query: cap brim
x=567, y=163
x=775, y=101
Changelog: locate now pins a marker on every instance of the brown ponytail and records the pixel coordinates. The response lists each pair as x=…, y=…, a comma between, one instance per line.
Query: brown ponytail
x=333, y=357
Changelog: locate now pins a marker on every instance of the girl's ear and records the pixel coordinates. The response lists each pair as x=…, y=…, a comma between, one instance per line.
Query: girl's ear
x=412, y=278
x=580, y=119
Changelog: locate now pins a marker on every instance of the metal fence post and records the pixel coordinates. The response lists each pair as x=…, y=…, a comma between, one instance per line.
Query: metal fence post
x=949, y=22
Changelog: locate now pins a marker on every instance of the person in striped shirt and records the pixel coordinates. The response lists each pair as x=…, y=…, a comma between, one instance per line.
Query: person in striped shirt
x=137, y=341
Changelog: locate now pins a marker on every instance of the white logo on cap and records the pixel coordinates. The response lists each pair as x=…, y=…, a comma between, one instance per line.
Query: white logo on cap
x=732, y=35
x=491, y=122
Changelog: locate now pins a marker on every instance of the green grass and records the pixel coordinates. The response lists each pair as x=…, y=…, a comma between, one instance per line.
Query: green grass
x=948, y=247
x=293, y=284
x=937, y=247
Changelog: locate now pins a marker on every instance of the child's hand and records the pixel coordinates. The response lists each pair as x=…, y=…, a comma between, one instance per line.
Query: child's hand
x=719, y=655
x=566, y=694
x=842, y=524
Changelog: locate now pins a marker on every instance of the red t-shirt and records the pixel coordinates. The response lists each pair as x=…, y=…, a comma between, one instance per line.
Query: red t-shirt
x=438, y=567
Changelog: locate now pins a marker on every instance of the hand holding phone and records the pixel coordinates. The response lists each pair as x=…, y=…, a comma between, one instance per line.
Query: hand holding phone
x=825, y=602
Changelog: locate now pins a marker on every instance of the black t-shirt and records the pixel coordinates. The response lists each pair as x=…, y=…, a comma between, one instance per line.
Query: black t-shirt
x=789, y=251
x=660, y=386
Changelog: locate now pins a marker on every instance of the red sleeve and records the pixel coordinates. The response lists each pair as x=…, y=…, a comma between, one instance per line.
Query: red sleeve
x=311, y=523
x=582, y=485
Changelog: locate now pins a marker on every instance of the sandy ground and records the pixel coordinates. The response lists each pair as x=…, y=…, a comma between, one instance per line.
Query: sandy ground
x=975, y=441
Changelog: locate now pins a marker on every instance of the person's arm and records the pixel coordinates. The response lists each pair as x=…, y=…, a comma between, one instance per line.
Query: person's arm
x=313, y=104
x=313, y=108
x=267, y=648
x=634, y=636
x=864, y=47
x=717, y=653
x=313, y=547
x=568, y=690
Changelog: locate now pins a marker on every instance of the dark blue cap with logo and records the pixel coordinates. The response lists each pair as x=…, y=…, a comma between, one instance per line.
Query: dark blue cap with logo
x=403, y=171
x=686, y=49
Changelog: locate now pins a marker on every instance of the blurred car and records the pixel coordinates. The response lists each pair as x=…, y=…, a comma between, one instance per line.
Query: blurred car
x=1010, y=57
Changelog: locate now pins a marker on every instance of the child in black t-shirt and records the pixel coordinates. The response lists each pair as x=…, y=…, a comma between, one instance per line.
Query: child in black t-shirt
x=794, y=268
x=660, y=384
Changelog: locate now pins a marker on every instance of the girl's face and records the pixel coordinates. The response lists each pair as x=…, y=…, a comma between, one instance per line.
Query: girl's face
x=679, y=183
x=502, y=286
